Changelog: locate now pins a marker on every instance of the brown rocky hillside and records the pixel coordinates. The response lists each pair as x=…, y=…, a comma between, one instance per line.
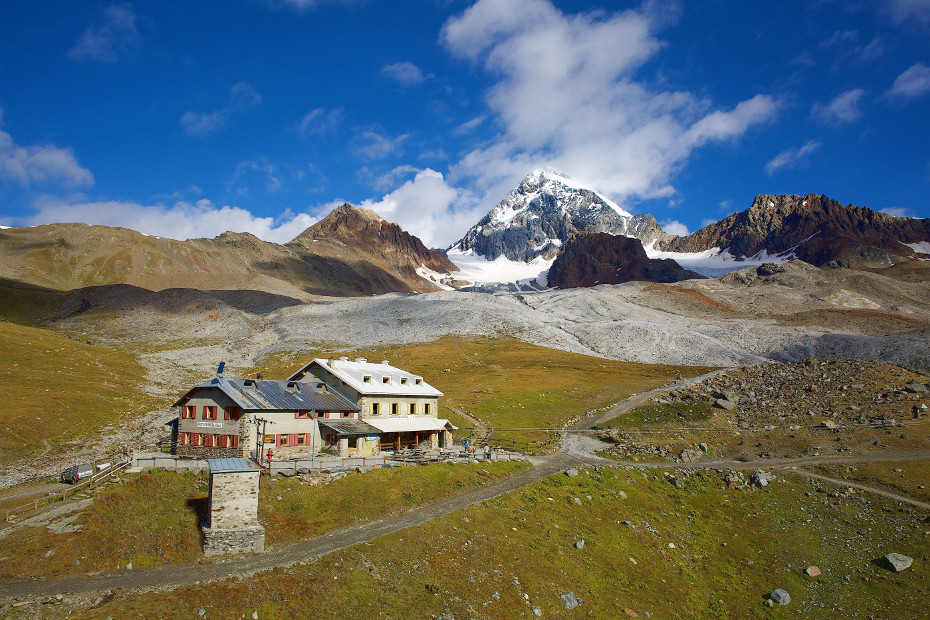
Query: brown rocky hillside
x=819, y=230
x=345, y=254
x=602, y=258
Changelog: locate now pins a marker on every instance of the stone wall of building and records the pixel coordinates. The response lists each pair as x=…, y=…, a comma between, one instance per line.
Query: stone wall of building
x=217, y=541
x=234, y=500
x=203, y=452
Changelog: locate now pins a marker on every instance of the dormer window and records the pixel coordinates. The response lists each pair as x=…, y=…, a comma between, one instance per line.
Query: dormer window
x=366, y=379
x=418, y=380
x=249, y=383
x=385, y=380
x=292, y=386
x=403, y=380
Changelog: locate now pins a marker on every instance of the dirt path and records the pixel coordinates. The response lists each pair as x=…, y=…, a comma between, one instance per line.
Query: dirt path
x=578, y=450
x=172, y=577
x=855, y=485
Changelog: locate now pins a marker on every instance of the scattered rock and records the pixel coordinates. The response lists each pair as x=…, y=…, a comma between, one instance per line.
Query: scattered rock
x=830, y=424
x=579, y=544
x=898, y=562
x=761, y=478
x=630, y=613
x=621, y=494
x=678, y=481
x=690, y=456
x=570, y=601
x=916, y=388
x=537, y=612
x=703, y=447
x=577, y=501
x=780, y=596
x=571, y=473
x=728, y=405
x=812, y=571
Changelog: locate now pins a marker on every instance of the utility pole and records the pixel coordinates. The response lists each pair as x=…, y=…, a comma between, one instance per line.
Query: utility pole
x=260, y=425
x=313, y=431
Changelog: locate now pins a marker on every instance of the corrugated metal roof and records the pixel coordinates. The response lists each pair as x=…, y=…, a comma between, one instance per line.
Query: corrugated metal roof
x=347, y=426
x=409, y=424
x=267, y=395
x=399, y=382
x=228, y=466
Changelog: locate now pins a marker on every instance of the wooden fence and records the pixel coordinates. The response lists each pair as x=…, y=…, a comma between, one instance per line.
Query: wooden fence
x=90, y=483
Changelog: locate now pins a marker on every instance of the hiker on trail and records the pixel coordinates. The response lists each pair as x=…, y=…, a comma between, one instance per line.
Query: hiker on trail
x=466, y=445
x=487, y=452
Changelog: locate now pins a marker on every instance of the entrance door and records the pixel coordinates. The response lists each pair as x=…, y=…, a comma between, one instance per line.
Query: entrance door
x=367, y=446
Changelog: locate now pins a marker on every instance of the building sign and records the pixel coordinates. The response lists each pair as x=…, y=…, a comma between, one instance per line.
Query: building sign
x=209, y=425
x=371, y=438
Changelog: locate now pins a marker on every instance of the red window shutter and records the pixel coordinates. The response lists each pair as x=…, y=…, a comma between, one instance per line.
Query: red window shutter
x=293, y=441
x=234, y=441
x=225, y=413
x=277, y=441
x=206, y=412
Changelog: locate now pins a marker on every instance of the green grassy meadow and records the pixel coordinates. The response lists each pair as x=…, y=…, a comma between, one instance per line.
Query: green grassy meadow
x=705, y=551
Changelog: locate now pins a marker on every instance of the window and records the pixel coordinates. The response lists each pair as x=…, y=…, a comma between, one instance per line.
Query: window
x=190, y=411
x=427, y=408
x=418, y=380
x=222, y=441
x=231, y=413
x=366, y=379
x=302, y=439
x=353, y=442
x=303, y=414
x=403, y=380
x=284, y=439
x=394, y=409
x=209, y=412
x=208, y=441
x=385, y=380
x=375, y=408
x=185, y=439
x=413, y=408
x=234, y=441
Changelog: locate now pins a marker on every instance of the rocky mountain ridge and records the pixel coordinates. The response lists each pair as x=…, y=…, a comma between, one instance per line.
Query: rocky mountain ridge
x=542, y=212
x=350, y=252
x=814, y=228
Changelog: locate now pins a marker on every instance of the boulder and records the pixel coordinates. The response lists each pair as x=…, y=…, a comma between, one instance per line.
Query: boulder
x=780, y=596
x=898, y=562
x=569, y=600
x=690, y=456
x=728, y=405
x=916, y=388
x=812, y=571
x=579, y=544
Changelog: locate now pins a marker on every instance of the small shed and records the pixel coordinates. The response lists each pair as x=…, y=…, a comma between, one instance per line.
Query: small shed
x=232, y=525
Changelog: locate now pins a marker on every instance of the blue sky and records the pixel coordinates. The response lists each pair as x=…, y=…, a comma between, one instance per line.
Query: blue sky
x=186, y=119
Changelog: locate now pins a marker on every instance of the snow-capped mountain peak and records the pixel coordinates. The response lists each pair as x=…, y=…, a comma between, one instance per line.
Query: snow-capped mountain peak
x=542, y=212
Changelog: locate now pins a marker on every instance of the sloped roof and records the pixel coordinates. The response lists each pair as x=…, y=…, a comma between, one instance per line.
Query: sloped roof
x=267, y=395
x=229, y=466
x=349, y=426
x=400, y=382
x=402, y=424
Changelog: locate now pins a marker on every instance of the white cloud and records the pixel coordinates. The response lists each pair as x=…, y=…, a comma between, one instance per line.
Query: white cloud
x=842, y=110
x=242, y=97
x=404, y=73
x=393, y=177
x=898, y=211
x=116, y=35
x=303, y=5
x=467, y=126
x=570, y=96
x=252, y=171
x=429, y=208
x=39, y=164
x=674, y=227
x=373, y=145
x=902, y=11
x=319, y=120
x=912, y=83
x=793, y=157
x=182, y=220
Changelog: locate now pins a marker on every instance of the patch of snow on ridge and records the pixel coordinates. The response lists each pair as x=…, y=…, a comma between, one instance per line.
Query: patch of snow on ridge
x=434, y=276
x=714, y=263
x=480, y=270
x=921, y=247
x=4, y=227
x=560, y=177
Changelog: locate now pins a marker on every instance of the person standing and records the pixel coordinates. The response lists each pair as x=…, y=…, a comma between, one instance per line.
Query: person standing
x=487, y=452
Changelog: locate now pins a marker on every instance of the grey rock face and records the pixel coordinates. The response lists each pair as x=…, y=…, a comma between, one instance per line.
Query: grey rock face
x=537, y=217
x=570, y=601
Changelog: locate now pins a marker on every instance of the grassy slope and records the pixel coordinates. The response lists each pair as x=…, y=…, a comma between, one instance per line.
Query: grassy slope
x=505, y=557
x=508, y=383
x=167, y=509
x=56, y=388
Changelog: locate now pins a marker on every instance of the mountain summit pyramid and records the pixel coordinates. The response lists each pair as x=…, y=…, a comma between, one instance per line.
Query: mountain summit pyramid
x=544, y=210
